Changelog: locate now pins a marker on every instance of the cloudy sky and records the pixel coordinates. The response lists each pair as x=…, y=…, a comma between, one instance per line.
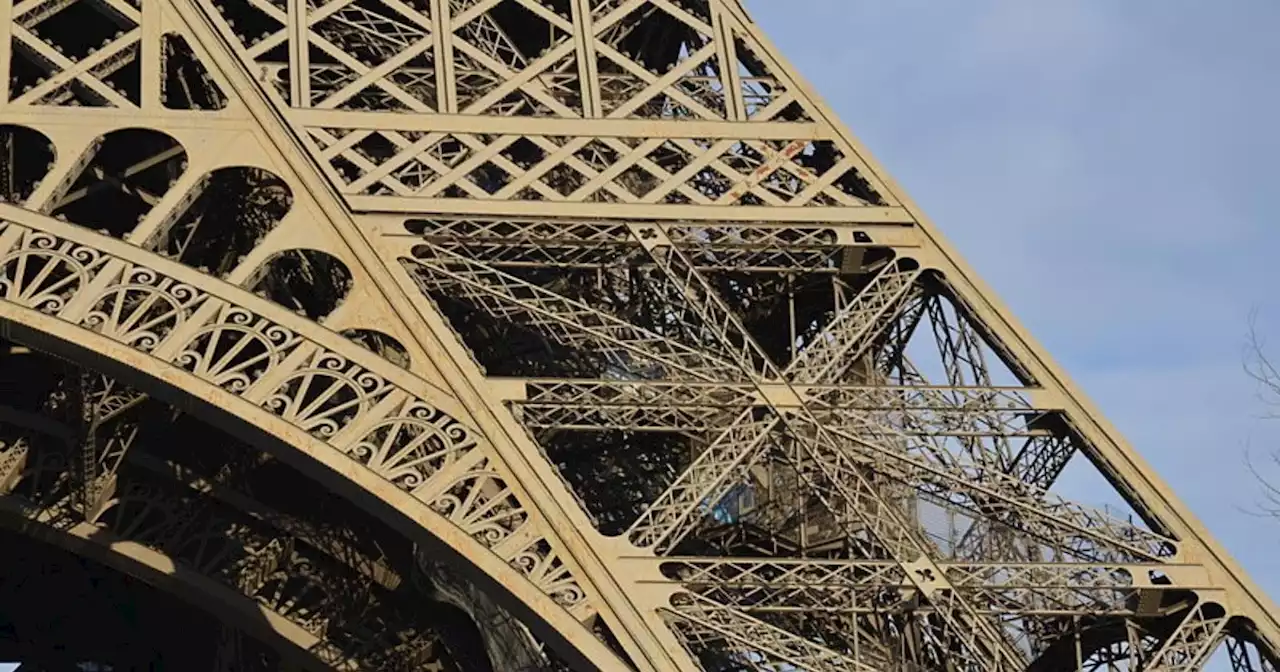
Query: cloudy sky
x=1110, y=168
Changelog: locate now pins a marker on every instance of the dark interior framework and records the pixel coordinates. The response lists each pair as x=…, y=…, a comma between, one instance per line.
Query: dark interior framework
x=81, y=447
x=147, y=457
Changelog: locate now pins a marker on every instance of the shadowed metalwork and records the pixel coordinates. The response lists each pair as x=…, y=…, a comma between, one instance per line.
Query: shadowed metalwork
x=527, y=335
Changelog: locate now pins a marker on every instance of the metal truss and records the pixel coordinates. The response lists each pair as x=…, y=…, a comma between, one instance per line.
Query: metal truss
x=534, y=335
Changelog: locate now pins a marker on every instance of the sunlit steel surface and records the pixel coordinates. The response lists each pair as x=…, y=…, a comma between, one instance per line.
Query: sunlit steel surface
x=525, y=335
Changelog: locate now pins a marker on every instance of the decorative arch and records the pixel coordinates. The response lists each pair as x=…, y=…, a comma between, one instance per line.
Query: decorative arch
x=343, y=416
x=227, y=212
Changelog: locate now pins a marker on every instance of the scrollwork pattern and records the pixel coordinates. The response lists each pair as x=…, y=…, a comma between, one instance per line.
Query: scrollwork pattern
x=326, y=395
x=142, y=308
x=547, y=571
x=236, y=348
x=339, y=399
x=44, y=271
x=411, y=446
x=481, y=503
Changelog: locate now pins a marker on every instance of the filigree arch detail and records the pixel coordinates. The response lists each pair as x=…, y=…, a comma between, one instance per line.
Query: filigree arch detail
x=227, y=208
x=341, y=412
x=412, y=445
x=142, y=309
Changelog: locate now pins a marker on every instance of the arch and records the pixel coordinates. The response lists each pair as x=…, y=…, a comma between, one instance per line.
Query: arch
x=29, y=154
x=309, y=281
x=239, y=362
x=387, y=347
x=231, y=211
x=212, y=504
x=121, y=177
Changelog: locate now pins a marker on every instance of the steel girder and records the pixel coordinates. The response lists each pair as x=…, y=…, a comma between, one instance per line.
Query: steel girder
x=592, y=298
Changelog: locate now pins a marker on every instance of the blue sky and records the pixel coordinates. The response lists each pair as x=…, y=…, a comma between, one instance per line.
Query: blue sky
x=1110, y=168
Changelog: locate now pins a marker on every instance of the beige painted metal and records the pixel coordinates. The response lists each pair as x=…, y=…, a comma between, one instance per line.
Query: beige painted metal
x=597, y=300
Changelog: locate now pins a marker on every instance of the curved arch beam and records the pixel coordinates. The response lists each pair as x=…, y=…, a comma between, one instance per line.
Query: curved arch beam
x=340, y=414
x=86, y=540
x=152, y=507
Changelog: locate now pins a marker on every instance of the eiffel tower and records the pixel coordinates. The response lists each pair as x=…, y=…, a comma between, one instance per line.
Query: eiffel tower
x=513, y=335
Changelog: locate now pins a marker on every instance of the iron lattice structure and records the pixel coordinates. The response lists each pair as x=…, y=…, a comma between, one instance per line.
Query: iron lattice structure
x=525, y=335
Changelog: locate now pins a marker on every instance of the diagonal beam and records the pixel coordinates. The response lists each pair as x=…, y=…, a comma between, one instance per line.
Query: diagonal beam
x=1088, y=533
x=757, y=641
x=850, y=490
x=961, y=353
x=873, y=586
x=707, y=479
x=1189, y=646
x=564, y=320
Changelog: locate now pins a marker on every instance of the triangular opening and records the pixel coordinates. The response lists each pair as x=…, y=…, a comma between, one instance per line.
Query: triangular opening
x=946, y=346
x=187, y=83
x=974, y=408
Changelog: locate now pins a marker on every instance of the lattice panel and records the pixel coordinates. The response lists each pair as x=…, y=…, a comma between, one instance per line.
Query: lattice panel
x=515, y=57
x=357, y=55
x=645, y=59
x=88, y=68
x=89, y=53
x=568, y=243
x=593, y=170
x=657, y=59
